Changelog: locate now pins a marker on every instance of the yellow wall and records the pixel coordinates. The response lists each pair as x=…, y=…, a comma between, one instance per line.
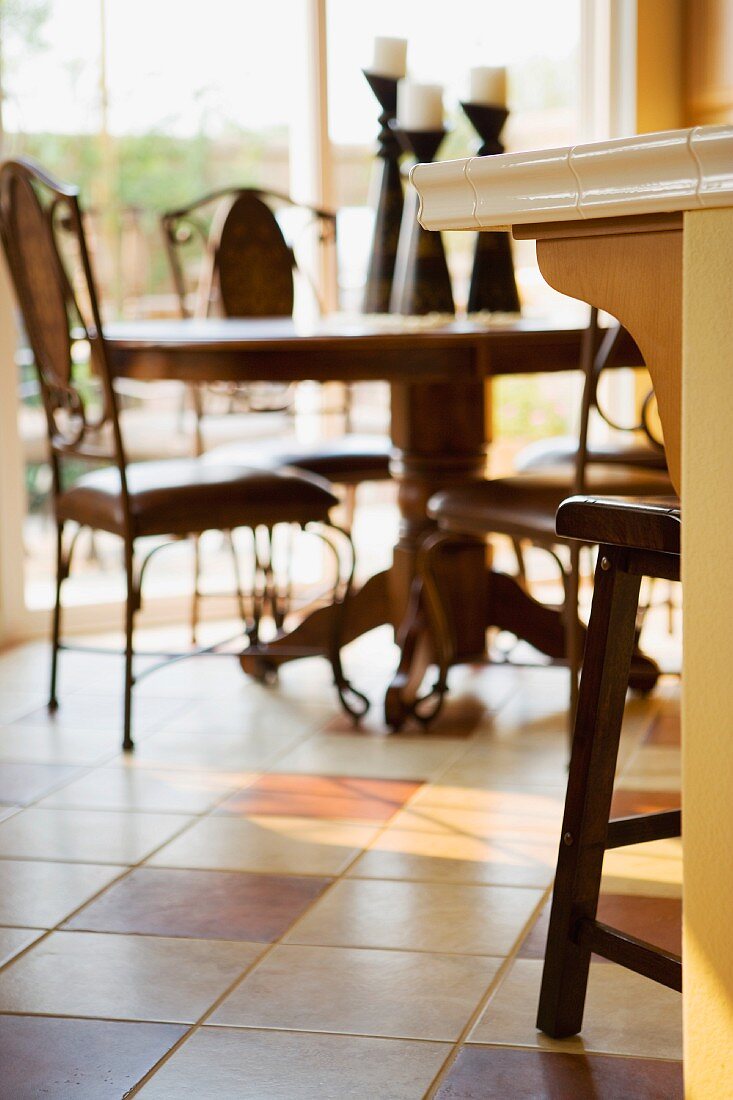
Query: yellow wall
x=707, y=683
x=659, y=65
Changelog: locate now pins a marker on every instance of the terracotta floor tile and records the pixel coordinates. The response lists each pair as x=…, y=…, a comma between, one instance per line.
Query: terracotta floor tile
x=14, y=940
x=206, y=904
x=39, y=894
x=665, y=729
x=335, y=797
x=627, y=803
x=66, y=1059
x=48, y=745
x=624, y=1014
x=491, y=1073
x=411, y=758
x=21, y=783
x=396, y=994
x=87, y=836
x=657, y=920
x=123, y=977
x=273, y=845
x=415, y=916
x=143, y=789
x=228, y=1064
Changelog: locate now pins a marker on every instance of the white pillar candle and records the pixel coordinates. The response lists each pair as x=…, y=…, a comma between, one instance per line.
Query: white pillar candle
x=390, y=57
x=488, y=86
x=419, y=106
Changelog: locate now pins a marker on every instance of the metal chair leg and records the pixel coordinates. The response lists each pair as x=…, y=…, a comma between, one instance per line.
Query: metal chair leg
x=132, y=602
x=61, y=574
x=608, y=649
x=196, y=594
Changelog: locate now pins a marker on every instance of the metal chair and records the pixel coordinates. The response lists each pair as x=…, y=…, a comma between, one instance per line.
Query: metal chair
x=636, y=537
x=247, y=268
x=43, y=236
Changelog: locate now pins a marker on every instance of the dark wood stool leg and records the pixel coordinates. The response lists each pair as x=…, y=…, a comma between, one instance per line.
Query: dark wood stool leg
x=603, y=685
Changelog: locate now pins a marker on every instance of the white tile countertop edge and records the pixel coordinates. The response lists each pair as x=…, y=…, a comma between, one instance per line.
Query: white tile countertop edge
x=642, y=174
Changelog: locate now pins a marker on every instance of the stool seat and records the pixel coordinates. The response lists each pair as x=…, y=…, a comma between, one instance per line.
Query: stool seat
x=345, y=460
x=652, y=523
x=524, y=505
x=564, y=448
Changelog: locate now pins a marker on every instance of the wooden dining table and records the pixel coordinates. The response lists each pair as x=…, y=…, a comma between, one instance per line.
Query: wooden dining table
x=437, y=371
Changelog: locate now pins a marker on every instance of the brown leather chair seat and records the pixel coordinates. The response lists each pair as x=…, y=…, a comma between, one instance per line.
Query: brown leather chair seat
x=652, y=523
x=563, y=448
x=185, y=496
x=524, y=506
x=344, y=460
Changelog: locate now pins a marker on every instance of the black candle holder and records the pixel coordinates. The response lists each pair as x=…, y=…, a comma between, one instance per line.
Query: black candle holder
x=421, y=280
x=390, y=200
x=493, y=285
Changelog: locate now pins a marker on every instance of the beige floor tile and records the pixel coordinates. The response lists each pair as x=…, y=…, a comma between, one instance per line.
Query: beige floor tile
x=390, y=993
x=143, y=789
x=226, y=1064
x=653, y=767
x=175, y=750
x=48, y=745
x=254, y=711
x=16, y=704
x=276, y=845
x=533, y=803
x=83, y=710
x=480, y=824
x=418, y=855
x=43, y=894
x=367, y=756
x=514, y=764
x=418, y=916
x=86, y=836
x=625, y=1014
x=654, y=869
x=13, y=940
x=123, y=977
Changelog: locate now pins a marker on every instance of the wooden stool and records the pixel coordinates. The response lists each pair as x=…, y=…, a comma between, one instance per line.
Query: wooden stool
x=637, y=538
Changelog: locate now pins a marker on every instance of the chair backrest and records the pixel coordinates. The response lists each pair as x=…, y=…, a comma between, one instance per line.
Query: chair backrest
x=249, y=266
x=608, y=356
x=42, y=231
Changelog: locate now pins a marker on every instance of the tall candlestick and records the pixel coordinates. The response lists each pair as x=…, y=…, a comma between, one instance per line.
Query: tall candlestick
x=390, y=57
x=389, y=200
x=487, y=85
x=422, y=282
x=493, y=286
x=419, y=106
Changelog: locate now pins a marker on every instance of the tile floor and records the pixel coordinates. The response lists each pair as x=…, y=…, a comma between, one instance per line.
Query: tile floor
x=263, y=904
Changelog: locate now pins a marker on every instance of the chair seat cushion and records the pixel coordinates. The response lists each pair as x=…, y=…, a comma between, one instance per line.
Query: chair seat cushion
x=524, y=506
x=632, y=450
x=346, y=459
x=185, y=496
x=644, y=523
